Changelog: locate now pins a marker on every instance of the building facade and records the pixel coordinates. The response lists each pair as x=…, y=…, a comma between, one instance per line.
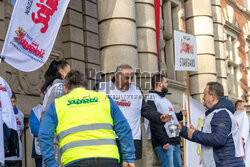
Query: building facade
x=98, y=35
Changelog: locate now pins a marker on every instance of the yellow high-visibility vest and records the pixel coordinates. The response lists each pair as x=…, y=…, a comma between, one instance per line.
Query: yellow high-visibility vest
x=85, y=126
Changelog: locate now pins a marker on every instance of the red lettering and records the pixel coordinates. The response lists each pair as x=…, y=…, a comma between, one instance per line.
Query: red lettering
x=123, y=103
x=44, y=13
x=3, y=88
x=33, y=47
x=186, y=47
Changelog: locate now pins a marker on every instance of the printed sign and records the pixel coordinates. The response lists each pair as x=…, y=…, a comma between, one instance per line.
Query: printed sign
x=32, y=32
x=185, y=52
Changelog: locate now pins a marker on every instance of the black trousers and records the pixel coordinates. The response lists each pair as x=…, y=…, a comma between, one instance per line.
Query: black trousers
x=95, y=162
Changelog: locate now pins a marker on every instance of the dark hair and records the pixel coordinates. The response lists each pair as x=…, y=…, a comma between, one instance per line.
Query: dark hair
x=157, y=78
x=75, y=79
x=13, y=96
x=53, y=73
x=237, y=103
x=216, y=88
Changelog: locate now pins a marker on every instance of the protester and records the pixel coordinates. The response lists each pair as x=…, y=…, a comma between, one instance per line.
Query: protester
x=85, y=122
x=35, y=116
x=242, y=122
x=16, y=161
x=7, y=118
x=165, y=144
x=53, y=85
x=219, y=138
x=54, y=88
x=130, y=100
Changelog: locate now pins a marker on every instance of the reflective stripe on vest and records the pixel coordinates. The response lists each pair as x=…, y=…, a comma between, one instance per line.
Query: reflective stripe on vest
x=83, y=128
x=83, y=143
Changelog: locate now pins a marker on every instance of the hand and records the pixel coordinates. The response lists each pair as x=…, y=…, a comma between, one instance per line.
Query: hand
x=184, y=112
x=190, y=132
x=127, y=164
x=164, y=118
x=192, y=127
x=166, y=147
x=178, y=127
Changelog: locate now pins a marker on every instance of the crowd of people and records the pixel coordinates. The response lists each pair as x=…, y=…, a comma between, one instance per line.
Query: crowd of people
x=75, y=126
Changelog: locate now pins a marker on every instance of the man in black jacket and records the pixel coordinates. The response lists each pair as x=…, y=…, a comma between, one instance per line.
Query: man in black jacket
x=130, y=100
x=165, y=144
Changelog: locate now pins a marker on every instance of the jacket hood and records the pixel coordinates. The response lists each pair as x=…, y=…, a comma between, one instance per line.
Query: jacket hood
x=54, y=82
x=222, y=103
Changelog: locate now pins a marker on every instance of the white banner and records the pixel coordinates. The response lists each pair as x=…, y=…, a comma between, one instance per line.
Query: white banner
x=242, y=122
x=32, y=32
x=6, y=114
x=185, y=52
x=247, y=147
x=193, y=150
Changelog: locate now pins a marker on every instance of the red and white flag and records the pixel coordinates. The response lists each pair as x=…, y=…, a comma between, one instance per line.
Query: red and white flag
x=32, y=32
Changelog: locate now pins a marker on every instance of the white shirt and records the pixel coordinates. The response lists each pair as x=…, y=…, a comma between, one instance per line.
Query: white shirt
x=129, y=102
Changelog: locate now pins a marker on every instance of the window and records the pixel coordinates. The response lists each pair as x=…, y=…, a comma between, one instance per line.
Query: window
x=247, y=4
x=248, y=65
x=233, y=71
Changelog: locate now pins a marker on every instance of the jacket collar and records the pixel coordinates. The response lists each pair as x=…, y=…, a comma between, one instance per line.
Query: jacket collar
x=161, y=94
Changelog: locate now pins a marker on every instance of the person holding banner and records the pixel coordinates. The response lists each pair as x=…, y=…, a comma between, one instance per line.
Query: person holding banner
x=242, y=121
x=85, y=123
x=165, y=144
x=220, y=137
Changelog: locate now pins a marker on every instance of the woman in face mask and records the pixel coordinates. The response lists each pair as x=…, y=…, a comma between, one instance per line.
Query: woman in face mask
x=54, y=88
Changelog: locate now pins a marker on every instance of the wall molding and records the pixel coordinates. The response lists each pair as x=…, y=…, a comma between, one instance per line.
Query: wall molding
x=241, y=8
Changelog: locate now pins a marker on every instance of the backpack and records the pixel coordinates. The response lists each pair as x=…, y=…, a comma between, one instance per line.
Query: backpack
x=11, y=142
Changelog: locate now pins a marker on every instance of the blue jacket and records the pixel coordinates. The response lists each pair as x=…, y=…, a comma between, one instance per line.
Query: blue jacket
x=121, y=128
x=223, y=145
x=34, y=128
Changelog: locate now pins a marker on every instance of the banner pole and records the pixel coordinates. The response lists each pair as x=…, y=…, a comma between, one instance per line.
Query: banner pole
x=189, y=117
x=184, y=140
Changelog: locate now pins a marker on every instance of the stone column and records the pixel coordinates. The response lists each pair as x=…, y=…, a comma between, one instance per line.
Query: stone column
x=72, y=36
x=146, y=35
x=147, y=53
x=91, y=40
x=199, y=22
x=219, y=43
x=117, y=33
x=168, y=36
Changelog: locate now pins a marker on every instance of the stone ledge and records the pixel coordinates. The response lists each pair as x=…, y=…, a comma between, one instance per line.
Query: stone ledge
x=177, y=85
x=232, y=27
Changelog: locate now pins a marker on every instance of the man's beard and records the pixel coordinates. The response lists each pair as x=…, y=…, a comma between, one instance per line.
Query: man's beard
x=164, y=90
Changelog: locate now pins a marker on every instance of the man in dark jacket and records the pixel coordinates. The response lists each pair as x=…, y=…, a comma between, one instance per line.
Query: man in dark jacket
x=220, y=140
x=130, y=100
x=165, y=144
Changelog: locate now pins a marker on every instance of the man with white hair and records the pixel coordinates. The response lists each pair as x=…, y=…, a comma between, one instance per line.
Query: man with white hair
x=130, y=100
